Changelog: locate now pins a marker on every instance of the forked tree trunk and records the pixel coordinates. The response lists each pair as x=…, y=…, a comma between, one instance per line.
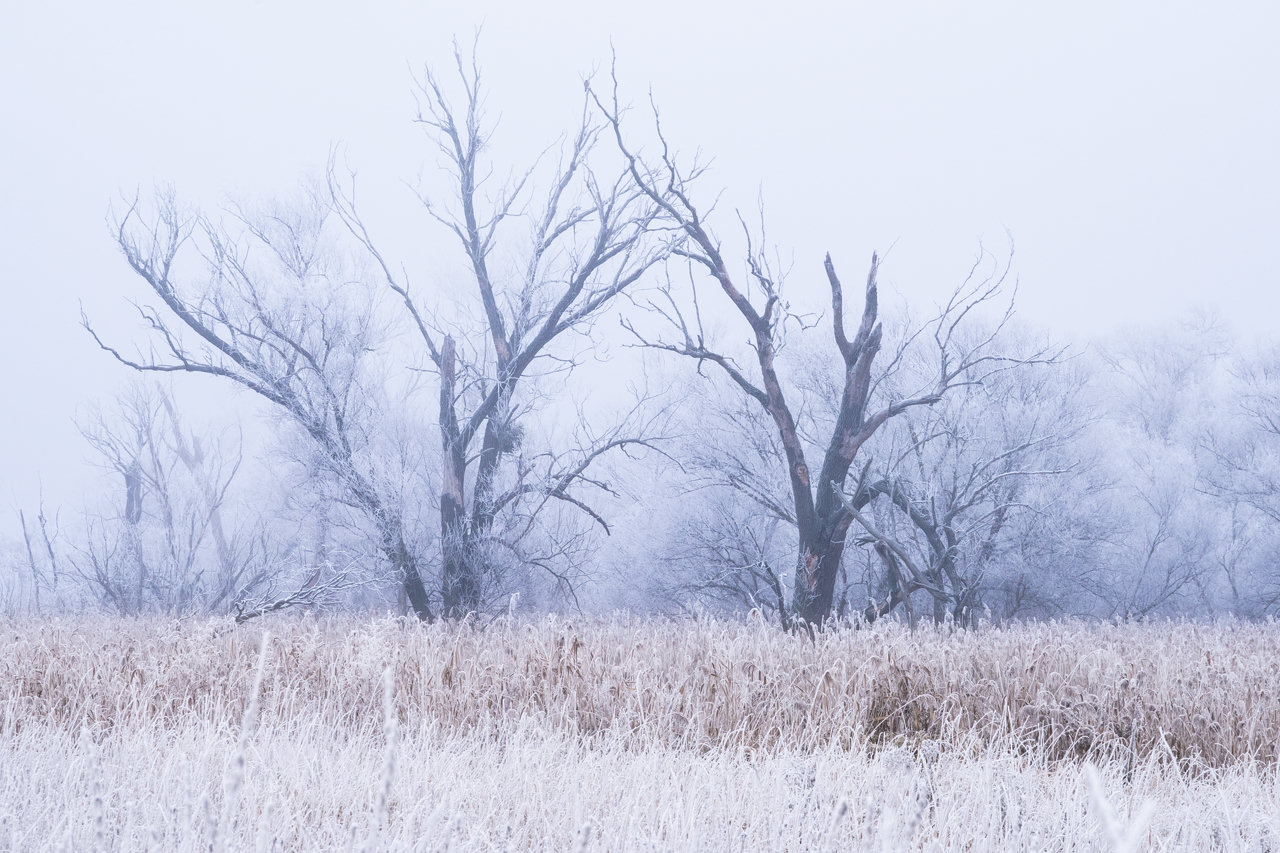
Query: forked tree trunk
x=822, y=546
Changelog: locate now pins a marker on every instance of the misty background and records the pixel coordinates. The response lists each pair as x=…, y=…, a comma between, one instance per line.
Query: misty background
x=1126, y=150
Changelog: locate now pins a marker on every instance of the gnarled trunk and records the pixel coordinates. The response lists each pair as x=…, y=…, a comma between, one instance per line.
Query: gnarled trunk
x=816, y=572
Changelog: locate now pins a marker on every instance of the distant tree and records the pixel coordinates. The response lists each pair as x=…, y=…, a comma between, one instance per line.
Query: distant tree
x=954, y=482
x=1161, y=391
x=1240, y=472
x=32, y=579
x=727, y=535
x=166, y=544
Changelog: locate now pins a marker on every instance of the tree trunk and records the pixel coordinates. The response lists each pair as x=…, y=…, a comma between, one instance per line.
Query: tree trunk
x=899, y=590
x=822, y=544
x=818, y=567
x=404, y=564
x=461, y=589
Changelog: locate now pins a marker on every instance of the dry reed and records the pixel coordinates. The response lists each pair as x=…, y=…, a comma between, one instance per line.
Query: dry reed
x=396, y=735
x=1201, y=695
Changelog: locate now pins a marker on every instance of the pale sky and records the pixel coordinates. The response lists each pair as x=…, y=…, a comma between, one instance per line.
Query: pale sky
x=1128, y=147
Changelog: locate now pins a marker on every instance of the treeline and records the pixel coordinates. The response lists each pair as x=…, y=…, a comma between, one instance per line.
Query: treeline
x=607, y=393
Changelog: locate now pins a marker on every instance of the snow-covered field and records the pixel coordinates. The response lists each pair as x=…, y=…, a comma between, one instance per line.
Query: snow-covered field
x=146, y=734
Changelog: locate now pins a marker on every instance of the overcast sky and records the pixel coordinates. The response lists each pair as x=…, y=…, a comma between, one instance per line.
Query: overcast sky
x=1129, y=148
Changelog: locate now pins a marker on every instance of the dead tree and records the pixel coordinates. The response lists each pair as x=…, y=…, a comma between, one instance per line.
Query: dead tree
x=821, y=511
x=591, y=239
x=163, y=545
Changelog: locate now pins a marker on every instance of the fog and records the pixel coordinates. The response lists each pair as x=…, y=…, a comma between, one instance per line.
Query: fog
x=1126, y=150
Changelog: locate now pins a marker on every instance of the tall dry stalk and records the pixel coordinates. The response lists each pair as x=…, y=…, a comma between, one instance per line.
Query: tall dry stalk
x=235, y=771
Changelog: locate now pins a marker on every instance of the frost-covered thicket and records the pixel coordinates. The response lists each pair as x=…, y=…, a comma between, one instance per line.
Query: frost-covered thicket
x=1136, y=477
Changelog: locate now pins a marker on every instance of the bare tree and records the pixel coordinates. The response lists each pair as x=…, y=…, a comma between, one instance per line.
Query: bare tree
x=283, y=311
x=821, y=509
x=1130, y=531
x=729, y=522
x=1239, y=461
x=584, y=241
x=165, y=544
x=41, y=562
x=954, y=488
x=1246, y=460
x=272, y=306
x=956, y=477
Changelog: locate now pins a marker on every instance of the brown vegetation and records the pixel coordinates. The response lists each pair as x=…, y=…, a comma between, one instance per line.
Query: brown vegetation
x=1201, y=696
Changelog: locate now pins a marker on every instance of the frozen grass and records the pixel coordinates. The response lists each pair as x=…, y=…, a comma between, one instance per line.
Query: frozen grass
x=637, y=735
